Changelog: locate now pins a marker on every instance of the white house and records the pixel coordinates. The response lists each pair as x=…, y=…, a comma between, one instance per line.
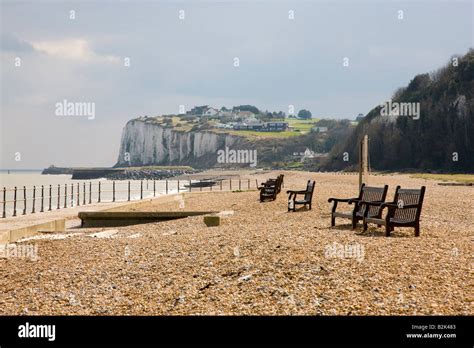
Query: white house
x=252, y=120
x=226, y=113
x=320, y=129
x=244, y=114
x=210, y=112
x=308, y=153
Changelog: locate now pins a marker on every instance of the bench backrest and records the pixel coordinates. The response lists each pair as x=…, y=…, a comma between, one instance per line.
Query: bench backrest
x=371, y=194
x=275, y=183
x=308, y=196
x=280, y=182
x=405, y=197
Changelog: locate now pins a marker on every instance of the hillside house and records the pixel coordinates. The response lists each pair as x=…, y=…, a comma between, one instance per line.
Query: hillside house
x=210, y=111
x=262, y=126
x=243, y=114
x=319, y=129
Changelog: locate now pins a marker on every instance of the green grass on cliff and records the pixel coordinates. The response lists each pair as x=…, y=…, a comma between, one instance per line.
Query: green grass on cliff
x=255, y=134
x=299, y=127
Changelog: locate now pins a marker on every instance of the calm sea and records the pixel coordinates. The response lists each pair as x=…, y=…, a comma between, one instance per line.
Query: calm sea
x=65, y=189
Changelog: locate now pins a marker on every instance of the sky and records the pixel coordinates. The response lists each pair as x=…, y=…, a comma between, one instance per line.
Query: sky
x=128, y=59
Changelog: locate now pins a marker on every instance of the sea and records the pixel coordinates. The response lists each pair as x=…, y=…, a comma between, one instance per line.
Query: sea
x=36, y=187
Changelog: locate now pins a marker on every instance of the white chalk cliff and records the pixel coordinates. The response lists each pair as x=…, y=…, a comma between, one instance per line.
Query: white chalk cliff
x=149, y=143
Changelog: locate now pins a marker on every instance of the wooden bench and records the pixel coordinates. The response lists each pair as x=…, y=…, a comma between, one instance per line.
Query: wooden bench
x=404, y=211
x=368, y=194
x=271, y=188
x=278, y=182
x=307, y=199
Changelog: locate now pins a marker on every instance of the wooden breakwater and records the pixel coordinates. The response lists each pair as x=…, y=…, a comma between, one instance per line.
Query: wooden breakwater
x=95, y=173
x=82, y=173
x=120, y=173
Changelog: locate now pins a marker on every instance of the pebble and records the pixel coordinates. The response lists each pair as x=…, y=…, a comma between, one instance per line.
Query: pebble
x=412, y=274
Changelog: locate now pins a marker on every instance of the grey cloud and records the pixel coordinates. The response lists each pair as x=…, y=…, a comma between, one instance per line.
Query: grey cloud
x=11, y=43
x=190, y=62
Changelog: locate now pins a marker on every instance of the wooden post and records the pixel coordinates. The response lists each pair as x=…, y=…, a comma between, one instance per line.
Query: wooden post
x=230, y=184
x=248, y=184
x=34, y=199
x=129, y=190
x=141, y=189
x=90, y=192
x=59, y=195
x=84, y=194
x=98, y=196
x=366, y=159
x=4, y=214
x=24, y=200
x=178, y=185
x=200, y=185
x=154, y=188
x=113, y=191
x=14, y=202
x=72, y=195
x=78, y=193
x=50, y=196
x=65, y=195
x=360, y=164
x=239, y=185
x=166, y=186
x=363, y=160
x=42, y=199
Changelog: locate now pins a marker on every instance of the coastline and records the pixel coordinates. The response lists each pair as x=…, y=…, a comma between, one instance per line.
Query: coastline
x=261, y=260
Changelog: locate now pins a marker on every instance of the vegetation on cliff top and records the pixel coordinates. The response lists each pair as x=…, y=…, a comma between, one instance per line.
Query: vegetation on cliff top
x=441, y=139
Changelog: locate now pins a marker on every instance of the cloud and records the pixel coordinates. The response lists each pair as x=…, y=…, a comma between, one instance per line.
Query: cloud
x=190, y=62
x=72, y=49
x=11, y=43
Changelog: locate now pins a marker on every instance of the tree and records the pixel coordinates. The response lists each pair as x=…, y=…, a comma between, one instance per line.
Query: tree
x=199, y=110
x=304, y=114
x=438, y=141
x=250, y=108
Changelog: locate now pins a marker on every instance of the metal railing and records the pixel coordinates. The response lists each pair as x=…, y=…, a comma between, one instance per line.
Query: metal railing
x=48, y=197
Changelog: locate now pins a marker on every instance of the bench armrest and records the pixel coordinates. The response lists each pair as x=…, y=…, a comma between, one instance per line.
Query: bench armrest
x=346, y=200
x=380, y=204
x=354, y=200
x=297, y=192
